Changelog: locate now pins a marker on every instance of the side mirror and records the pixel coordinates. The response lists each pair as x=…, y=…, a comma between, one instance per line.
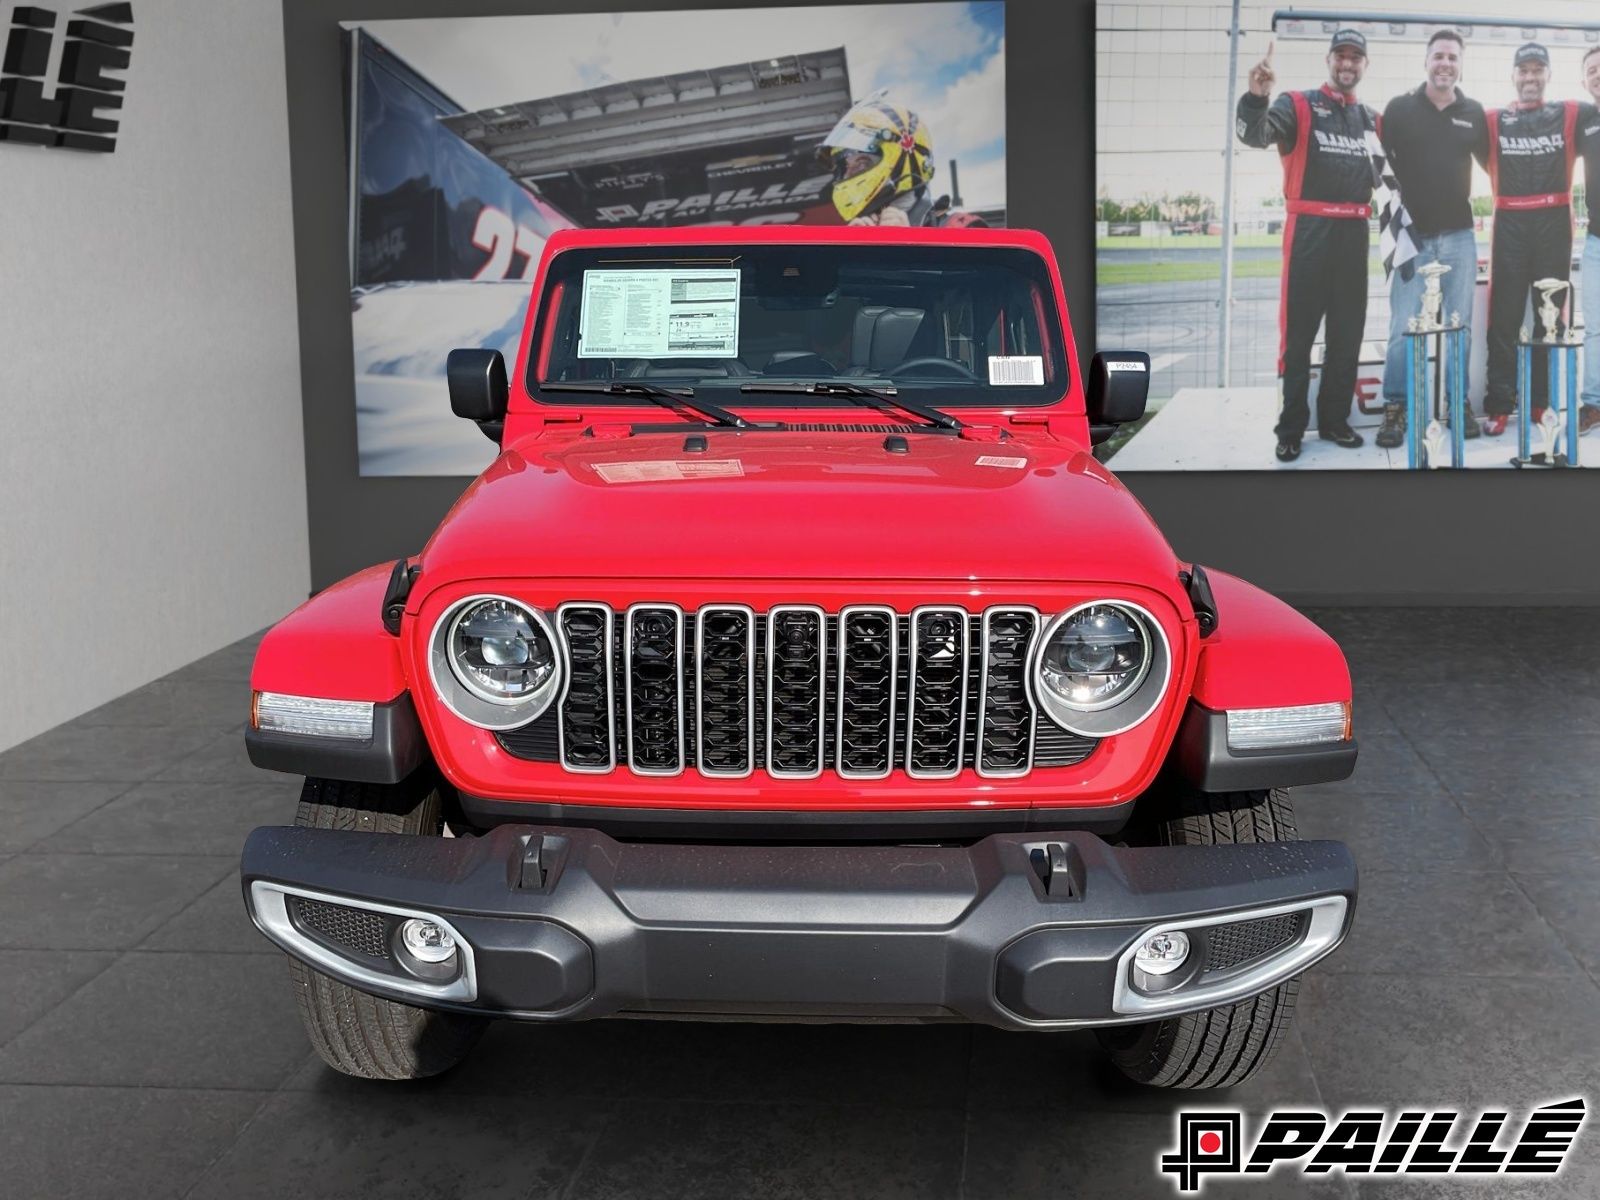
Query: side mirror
x=1119, y=384
x=478, y=389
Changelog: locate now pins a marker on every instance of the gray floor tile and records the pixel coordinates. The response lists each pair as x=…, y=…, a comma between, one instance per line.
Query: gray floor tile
x=656, y=1151
x=231, y=663
x=1450, y=710
x=32, y=982
x=1521, y=768
x=30, y=812
x=97, y=902
x=400, y=1142
x=1542, y=831
x=1389, y=763
x=125, y=754
x=1433, y=1042
x=1089, y=1155
x=221, y=760
x=1393, y=830
x=169, y=1020
x=166, y=817
x=1572, y=909
x=74, y=1143
x=1446, y=923
x=200, y=703
x=216, y=923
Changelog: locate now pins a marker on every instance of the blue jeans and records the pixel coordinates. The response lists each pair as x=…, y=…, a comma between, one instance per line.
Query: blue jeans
x=1591, y=319
x=1457, y=250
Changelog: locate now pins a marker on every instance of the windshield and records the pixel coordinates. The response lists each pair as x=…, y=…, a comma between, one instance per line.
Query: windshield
x=949, y=325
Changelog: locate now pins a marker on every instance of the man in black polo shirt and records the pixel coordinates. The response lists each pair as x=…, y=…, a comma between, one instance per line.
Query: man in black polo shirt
x=1430, y=137
x=1321, y=137
x=1589, y=273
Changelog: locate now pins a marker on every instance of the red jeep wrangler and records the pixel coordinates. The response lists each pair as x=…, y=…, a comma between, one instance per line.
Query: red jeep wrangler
x=795, y=659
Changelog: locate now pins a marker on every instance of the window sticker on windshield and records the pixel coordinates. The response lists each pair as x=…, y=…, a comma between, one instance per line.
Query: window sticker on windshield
x=671, y=313
x=657, y=470
x=1026, y=370
x=994, y=460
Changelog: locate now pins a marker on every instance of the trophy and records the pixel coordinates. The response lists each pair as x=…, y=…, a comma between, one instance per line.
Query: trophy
x=1436, y=377
x=1434, y=441
x=1550, y=429
x=1549, y=311
x=1432, y=297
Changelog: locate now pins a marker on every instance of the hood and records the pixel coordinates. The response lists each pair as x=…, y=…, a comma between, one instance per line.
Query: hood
x=798, y=505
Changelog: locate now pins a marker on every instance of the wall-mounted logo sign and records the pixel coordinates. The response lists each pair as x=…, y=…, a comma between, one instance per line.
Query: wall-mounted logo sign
x=97, y=41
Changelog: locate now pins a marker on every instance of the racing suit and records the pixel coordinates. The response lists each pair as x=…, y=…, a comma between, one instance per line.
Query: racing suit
x=1328, y=178
x=1531, y=149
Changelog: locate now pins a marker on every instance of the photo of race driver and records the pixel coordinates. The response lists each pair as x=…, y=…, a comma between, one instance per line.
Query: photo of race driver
x=1285, y=289
x=1589, y=148
x=880, y=155
x=1321, y=135
x=1532, y=144
x=463, y=160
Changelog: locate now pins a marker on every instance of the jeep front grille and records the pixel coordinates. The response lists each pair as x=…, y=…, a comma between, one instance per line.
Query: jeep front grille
x=796, y=691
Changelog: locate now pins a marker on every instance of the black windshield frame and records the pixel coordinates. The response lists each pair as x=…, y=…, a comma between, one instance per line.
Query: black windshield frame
x=922, y=260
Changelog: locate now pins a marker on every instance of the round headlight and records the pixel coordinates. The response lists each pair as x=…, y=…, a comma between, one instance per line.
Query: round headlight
x=501, y=652
x=1101, y=668
x=1095, y=657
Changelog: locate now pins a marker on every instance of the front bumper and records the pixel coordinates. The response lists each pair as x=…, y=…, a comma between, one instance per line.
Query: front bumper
x=1017, y=930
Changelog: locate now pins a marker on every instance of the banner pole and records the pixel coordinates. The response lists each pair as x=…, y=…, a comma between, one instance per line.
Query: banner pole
x=1225, y=324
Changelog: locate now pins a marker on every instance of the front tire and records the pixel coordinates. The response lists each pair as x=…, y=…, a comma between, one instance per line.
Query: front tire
x=354, y=1032
x=1219, y=1047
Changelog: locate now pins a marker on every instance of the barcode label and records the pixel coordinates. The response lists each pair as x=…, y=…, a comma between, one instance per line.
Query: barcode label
x=1026, y=370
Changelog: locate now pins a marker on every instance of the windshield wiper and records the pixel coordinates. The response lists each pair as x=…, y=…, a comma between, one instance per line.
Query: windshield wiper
x=884, y=397
x=670, y=397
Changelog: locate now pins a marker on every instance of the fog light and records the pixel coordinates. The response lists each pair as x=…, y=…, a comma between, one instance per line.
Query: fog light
x=430, y=942
x=1162, y=953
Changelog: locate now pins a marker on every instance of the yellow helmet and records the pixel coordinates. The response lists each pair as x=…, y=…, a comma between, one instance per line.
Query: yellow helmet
x=878, y=151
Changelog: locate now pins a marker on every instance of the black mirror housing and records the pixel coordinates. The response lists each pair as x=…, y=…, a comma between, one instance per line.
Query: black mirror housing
x=1119, y=385
x=478, y=389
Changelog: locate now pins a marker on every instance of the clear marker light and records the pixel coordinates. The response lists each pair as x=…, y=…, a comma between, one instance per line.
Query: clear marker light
x=1162, y=953
x=1300, y=725
x=274, y=712
x=427, y=941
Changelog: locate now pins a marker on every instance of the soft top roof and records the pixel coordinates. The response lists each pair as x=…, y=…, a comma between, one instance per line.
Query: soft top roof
x=796, y=235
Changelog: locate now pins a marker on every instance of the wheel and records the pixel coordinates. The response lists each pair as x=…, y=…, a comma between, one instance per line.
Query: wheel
x=1218, y=1047
x=360, y=1034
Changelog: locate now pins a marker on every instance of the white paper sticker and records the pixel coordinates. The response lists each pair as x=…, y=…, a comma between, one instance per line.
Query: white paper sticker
x=669, y=313
x=992, y=460
x=659, y=470
x=1025, y=370
x=1121, y=365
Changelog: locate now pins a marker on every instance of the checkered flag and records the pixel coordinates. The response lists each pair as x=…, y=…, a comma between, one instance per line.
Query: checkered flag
x=1396, y=236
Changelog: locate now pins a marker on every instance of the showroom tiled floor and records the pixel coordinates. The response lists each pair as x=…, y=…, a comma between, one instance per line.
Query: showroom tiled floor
x=149, y=1044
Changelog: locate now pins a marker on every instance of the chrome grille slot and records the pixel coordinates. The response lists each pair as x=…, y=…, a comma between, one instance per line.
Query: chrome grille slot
x=936, y=700
x=796, y=696
x=869, y=654
x=654, y=681
x=725, y=695
x=586, y=715
x=1006, y=714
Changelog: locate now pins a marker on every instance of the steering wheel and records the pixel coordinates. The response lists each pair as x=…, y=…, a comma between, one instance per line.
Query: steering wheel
x=949, y=365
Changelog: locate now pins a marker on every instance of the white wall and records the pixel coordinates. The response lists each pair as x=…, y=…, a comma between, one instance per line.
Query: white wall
x=152, y=478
